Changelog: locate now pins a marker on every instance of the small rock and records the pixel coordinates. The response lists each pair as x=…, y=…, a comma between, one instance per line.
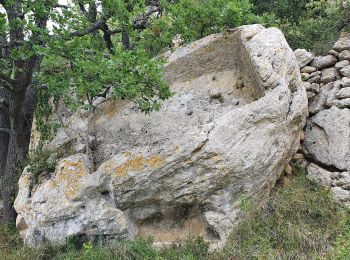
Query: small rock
x=298, y=156
x=288, y=169
x=314, y=87
x=345, y=71
x=310, y=95
x=329, y=75
x=342, y=103
x=316, y=73
x=345, y=82
x=319, y=103
x=314, y=79
x=344, y=55
x=318, y=174
x=340, y=195
x=302, y=136
x=303, y=57
x=342, y=44
x=343, y=93
x=341, y=64
x=321, y=62
x=334, y=53
x=308, y=69
x=305, y=76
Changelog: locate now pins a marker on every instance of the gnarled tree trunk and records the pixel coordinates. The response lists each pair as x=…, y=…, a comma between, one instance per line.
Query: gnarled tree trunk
x=21, y=110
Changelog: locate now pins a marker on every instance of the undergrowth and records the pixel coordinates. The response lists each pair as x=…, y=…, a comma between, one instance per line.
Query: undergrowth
x=300, y=221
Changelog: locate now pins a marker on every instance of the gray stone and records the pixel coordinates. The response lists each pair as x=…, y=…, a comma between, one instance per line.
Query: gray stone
x=303, y=57
x=345, y=71
x=341, y=64
x=320, y=175
x=320, y=101
x=308, y=69
x=334, y=53
x=329, y=75
x=321, y=62
x=315, y=74
x=314, y=87
x=315, y=79
x=343, y=93
x=345, y=82
x=342, y=103
x=172, y=174
x=341, y=195
x=344, y=55
x=342, y=44
x=327, y=137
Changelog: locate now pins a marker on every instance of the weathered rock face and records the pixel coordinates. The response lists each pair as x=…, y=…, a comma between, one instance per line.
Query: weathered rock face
x=226, y=135
x=327, y=134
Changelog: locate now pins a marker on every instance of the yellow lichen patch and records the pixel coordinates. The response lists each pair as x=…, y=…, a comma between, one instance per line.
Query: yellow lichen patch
x=155, y=161
x=127, y=154
x=70, y=174
x=25, y=180
x=52, y=184
x=138, y=164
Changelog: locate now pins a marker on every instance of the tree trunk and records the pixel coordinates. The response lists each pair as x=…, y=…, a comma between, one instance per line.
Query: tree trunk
x=4, y=134
x=21, y=111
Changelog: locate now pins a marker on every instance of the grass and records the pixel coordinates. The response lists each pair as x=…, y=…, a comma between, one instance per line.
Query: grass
x=300, y=221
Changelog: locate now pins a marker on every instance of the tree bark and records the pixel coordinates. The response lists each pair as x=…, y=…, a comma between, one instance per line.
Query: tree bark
x=21, y=111
x=4, y=134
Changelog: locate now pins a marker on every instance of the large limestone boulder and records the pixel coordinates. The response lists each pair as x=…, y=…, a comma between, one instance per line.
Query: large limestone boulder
x=225, y=136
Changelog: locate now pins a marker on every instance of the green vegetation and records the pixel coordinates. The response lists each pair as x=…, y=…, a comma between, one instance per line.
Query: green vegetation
x=309, y=24
x=300, y=221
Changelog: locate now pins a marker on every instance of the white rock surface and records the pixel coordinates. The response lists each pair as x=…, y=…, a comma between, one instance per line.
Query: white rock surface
x=343, y=43
x=341, y=64
x=303, y=57
x=345, y=71
x=327, y=138
x=329, y=75
x=184, y=170
x=344, y=55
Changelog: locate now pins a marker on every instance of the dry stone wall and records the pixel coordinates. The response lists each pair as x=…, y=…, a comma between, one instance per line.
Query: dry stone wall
x=327, y=133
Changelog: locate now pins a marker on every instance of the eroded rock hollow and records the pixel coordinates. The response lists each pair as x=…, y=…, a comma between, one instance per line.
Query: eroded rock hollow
x=225, y=136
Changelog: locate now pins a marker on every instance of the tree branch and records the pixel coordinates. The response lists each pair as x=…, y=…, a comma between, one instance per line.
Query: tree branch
x=92, y=28
x=82, y=8
x=60, y=6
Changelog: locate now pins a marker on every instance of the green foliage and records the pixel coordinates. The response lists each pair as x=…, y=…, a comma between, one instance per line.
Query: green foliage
x=309, y=24
x=194, y=19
